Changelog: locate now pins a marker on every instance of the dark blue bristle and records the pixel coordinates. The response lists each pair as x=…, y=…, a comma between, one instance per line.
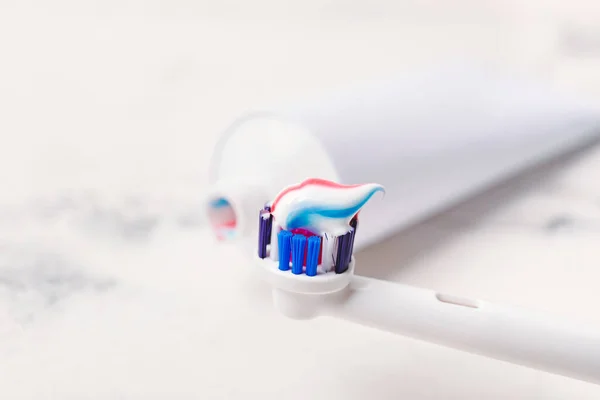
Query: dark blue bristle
x=312, y=257
x=343, y=253
x=354, y=225
x=340, y=254
x=284, y=240
x=346, y=248
x=267, y=208
x=351, y=235
x=298, y=246
x=264, y=235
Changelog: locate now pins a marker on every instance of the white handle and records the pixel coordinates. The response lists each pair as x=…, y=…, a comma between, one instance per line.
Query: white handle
x=505, y=333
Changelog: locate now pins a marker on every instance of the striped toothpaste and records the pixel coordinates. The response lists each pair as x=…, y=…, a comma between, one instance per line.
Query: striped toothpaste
x=320, y=206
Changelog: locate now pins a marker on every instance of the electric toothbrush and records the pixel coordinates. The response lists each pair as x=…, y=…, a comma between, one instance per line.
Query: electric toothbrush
x=317, y=209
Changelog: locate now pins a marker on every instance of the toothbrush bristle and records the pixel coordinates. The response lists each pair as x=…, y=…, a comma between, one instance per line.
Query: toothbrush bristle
x=343, y=253
x=284, y=239
x=270, y=224
x=312, y=259
x=317, y=236
x=308, y=234
x=265, y=221
x=329, y=252
x=354, y=225
x=298, y=246
x=274, y=248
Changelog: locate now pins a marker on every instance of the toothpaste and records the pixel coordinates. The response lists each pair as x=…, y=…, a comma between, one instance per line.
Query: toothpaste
x=320, y=206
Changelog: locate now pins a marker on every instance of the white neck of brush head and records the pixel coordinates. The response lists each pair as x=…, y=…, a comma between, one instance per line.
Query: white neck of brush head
x=303, y=296
x=506, y=333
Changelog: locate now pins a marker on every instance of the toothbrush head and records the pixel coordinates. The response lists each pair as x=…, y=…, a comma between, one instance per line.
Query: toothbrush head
x=306, y=235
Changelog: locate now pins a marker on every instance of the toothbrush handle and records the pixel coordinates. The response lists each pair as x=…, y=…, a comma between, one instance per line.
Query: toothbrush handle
x=505, y=333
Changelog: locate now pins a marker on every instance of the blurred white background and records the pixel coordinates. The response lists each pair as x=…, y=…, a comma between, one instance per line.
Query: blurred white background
x=110, y=286
x=151, y=83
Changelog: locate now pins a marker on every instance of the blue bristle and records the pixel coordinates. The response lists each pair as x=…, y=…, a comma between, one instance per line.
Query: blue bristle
x=312, y=257
x=264, y=228
x=284, y=240
x=298, y=246
x=351, y=245
x=269, y=230
x=354, y=225
x=343, y=254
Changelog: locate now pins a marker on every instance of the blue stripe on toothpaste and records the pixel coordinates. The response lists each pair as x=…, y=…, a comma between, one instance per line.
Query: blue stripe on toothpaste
x=304, y=217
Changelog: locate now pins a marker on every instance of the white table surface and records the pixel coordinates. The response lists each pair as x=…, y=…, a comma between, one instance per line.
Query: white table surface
x=111, y=286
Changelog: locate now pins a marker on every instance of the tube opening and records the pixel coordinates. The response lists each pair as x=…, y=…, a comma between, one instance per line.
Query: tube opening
x=223, y=218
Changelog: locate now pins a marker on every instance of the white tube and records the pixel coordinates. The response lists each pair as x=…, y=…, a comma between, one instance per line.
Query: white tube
x=505, y=333
x=431, y=138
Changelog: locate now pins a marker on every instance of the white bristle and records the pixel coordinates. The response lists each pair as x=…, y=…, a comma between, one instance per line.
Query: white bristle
x=329, y=252
x=274, y=251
